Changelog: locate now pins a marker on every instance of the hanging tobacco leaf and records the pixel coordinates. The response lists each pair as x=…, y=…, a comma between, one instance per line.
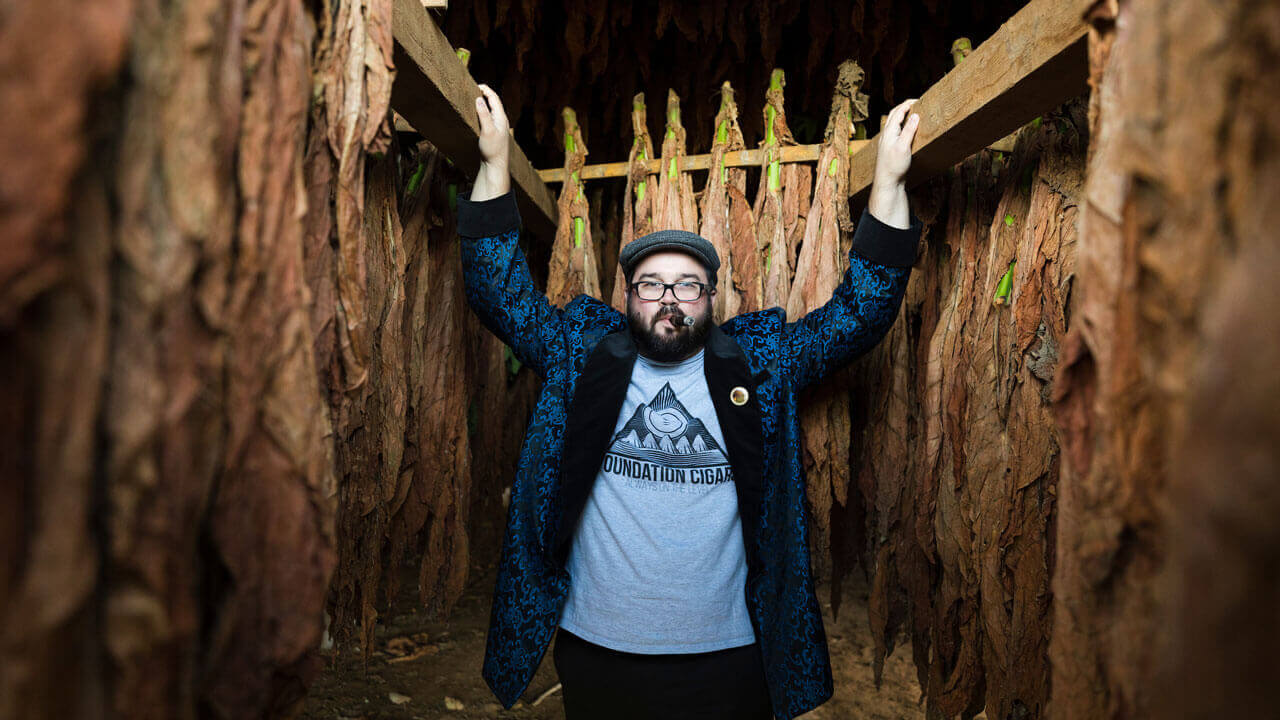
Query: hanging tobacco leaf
x=770, y=216
x=717, y=202
x=433, y=499
x=824, y=409
x=573, y=261
x=956, y=454
x=675, y=207
x=640, y=195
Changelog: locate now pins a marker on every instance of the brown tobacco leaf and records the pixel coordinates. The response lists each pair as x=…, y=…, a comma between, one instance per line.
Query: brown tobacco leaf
x=166, y=409
x=356, y=70
x=717, y=225
x=55, y=335
x=748, y=271
x=46, y=96
x=771, y=217
x=497, y=395
x=953, y=439
x=640, y=194
x=573, y=259
x=1165, y=589
x=432, y=506
x=675, y=207
x=278, y=463
x=797, y=193
x=824, y=411
x=370, y=421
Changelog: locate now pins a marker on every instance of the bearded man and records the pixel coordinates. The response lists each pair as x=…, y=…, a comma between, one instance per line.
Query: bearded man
x=657, y=527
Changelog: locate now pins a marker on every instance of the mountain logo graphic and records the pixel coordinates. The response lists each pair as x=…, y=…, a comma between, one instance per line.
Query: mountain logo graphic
x=662, y=430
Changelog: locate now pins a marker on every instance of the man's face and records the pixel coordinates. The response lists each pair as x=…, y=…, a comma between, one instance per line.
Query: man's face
x=658, y=325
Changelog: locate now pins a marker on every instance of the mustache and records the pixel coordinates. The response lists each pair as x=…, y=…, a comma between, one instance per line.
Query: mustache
x=671, y=311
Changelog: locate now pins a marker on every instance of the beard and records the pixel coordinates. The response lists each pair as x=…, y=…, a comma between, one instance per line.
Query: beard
x=665, y=346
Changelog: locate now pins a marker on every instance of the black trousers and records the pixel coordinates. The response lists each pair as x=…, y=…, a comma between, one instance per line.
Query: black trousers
x=598, y=682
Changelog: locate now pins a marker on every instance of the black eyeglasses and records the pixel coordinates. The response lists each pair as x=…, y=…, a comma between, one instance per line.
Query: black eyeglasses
x=685, y=291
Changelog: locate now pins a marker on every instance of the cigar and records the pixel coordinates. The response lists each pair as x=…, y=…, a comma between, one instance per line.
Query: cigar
x=688, y=320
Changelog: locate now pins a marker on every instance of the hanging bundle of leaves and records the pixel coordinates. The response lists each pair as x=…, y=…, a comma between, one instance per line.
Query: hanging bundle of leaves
x=430, y=508
x=676, y=208
x=824, y=410
x=357, y=98
x=770, y=220
x=726, y=214
x=573, y=258
x=641, y=192
x=954, y=447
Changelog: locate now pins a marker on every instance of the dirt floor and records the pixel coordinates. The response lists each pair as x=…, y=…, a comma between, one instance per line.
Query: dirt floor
x=431, y=669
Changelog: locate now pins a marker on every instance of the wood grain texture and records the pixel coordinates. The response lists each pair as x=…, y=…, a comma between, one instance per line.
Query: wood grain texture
x=1033, y=63
x=732, y=158
x=434, y=92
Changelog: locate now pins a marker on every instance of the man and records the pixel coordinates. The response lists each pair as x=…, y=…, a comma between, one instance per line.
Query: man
x=658, y=513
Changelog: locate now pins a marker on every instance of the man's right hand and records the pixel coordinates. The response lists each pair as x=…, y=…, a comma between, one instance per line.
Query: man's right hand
x=493, y=180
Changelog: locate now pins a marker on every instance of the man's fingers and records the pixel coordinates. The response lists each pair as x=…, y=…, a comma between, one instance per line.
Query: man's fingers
x=485, y=117
x=495, y=103
x=898, y=114
x=909, y=130
x=893, y=125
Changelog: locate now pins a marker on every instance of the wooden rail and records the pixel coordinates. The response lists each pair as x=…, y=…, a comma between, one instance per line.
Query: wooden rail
x=435, y=94
x=736, y=158
x=1036, y=61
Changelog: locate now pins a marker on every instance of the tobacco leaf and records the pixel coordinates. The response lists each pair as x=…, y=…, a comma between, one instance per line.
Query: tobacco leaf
x=1164, y=592
x=355, y=68
x=824, y=409
x=278, y=463
x=55, y=334
x=573, y=259
x=717, y=221
x=675, y=207
x=639, y=197
x=50, y=85
x=773, y=219
x=434, y=513
x=954, y=446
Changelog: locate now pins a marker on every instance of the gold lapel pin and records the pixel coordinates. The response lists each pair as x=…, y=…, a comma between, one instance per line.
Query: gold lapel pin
x=738, y=396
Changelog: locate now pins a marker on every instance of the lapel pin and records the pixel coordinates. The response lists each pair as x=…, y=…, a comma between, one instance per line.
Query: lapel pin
x=738, y=396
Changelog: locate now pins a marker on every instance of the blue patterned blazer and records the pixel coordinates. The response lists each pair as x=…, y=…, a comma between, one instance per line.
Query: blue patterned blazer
x=584, y=353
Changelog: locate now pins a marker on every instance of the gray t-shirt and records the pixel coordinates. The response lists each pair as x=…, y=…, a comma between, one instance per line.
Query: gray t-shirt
x=657, y=563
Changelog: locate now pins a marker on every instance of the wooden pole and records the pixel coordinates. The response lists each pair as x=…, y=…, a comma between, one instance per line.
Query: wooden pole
x=1036, y=61
x=737, y=158
x=436, y=95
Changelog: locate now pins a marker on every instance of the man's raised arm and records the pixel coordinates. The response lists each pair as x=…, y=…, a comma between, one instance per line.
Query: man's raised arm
x=864, y=305
x=495, y=273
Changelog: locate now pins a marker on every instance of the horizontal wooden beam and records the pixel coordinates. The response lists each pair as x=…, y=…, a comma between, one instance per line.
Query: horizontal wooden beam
x=736, y=158
x=435, y=95
x=1036, y=61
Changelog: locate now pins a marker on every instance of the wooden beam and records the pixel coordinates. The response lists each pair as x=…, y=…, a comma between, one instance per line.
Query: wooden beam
x=737, y=158
x=435, y=4
x=435, y=94
x=1036, y=61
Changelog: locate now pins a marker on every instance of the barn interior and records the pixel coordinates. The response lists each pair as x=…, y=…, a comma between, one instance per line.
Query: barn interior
x=259, y=450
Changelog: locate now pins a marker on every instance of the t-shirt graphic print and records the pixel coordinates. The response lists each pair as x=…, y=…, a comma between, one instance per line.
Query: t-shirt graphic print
x=665, y=445
x=657, y=563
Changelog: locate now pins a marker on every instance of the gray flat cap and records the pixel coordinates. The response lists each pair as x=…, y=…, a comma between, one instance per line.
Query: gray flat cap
x=679, y=240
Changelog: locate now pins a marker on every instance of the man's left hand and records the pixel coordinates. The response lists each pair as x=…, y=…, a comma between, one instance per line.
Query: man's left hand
x=888, y=199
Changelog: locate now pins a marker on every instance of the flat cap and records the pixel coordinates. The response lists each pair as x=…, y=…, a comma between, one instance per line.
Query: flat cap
x=678, y=240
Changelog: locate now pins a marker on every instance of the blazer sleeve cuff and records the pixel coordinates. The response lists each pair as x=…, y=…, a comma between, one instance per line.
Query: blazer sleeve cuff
x=885, y=244
x=488, y=218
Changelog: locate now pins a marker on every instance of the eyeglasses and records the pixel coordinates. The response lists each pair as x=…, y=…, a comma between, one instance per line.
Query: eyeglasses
x=683, y=291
